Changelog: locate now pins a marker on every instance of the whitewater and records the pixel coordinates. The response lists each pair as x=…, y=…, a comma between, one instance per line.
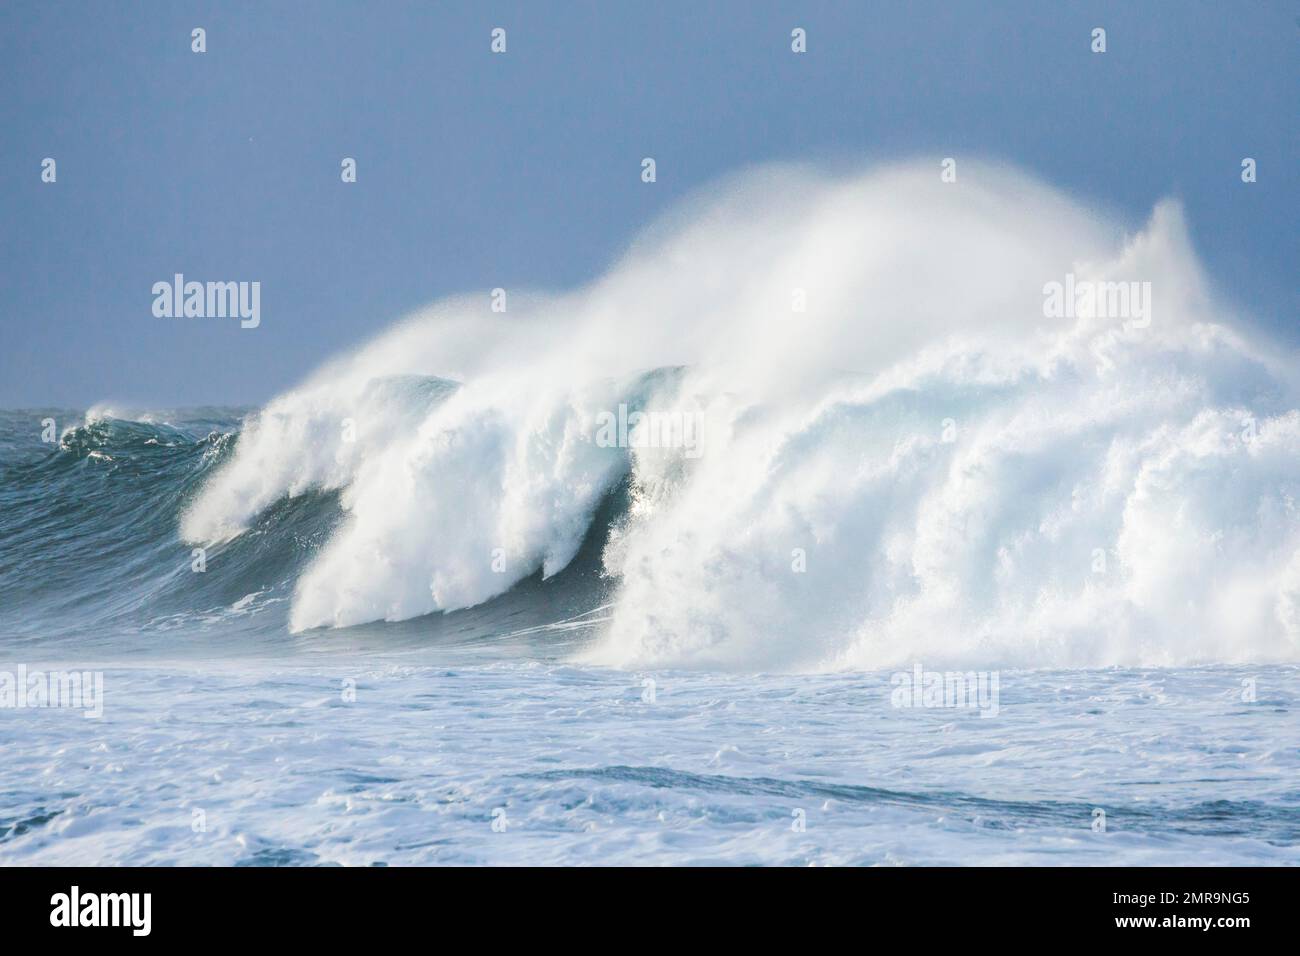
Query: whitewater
x=427, y=607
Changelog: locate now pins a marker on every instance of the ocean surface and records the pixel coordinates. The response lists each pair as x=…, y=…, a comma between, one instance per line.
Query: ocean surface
x=490, y=734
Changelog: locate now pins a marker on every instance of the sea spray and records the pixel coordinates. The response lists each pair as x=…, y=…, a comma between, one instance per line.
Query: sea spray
x=947, y=460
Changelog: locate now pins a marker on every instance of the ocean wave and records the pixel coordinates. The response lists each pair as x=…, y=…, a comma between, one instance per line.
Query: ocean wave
x=899, y=453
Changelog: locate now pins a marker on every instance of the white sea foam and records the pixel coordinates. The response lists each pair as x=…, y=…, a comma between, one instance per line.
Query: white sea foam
x=960, y=477
x=265, y=762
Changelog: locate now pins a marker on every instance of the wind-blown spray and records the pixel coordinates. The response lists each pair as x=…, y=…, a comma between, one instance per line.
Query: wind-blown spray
x=902, y=449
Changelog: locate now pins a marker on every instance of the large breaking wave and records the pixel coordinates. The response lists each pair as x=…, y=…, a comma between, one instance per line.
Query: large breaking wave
x=917, y=464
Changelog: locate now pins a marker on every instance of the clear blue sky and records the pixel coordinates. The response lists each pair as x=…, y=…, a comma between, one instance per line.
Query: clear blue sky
x=478, y=170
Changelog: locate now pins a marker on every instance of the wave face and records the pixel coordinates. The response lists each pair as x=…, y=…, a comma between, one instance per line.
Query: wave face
x=876, y=444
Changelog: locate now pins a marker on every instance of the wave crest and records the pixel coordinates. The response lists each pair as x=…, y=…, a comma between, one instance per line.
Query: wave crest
x=901, y=455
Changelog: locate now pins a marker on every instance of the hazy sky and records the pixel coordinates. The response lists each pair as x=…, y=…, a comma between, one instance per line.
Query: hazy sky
x=478, y=170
